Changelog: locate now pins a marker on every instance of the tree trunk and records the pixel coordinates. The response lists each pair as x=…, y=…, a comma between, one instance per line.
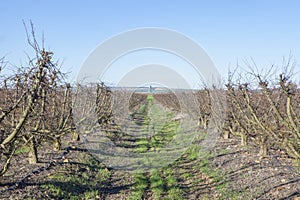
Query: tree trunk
x=263, y=151
x=56, y=144
x=244, y=139
x=76, y=136
x=32, y=154
x=226, y=135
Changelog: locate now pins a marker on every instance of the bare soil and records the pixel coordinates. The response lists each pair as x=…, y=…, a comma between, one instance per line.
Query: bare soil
x=241, y=174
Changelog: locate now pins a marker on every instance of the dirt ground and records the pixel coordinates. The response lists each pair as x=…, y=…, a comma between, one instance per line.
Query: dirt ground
x=231, y=172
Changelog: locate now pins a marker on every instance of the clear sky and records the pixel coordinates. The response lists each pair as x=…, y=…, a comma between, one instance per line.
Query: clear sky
x=230, y=31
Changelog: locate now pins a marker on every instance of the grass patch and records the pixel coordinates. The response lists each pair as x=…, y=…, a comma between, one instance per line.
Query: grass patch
x=22, y=150
x=156, y=184
x=187, y=175
x=150, y=99
x=139, y=187
x=157, y=128
x=193, y=152
x=93, y=194
x=80, y=181
x=224, y=151
x=175, y=194
x=215, y=176
x=226, y=193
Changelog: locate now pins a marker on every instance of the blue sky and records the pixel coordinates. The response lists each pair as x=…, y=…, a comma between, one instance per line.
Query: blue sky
x=230, y=31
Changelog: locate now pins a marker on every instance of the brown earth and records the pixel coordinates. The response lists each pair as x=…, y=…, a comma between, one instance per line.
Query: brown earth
x=231, y=172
